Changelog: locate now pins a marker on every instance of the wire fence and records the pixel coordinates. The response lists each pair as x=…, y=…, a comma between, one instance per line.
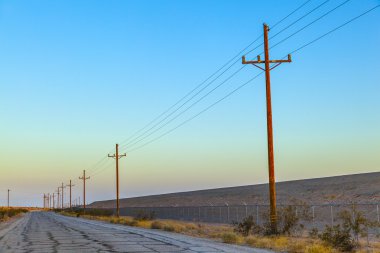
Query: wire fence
x=314, y=216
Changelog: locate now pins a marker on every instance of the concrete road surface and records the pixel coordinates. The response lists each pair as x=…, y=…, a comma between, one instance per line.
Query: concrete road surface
x=50, y=232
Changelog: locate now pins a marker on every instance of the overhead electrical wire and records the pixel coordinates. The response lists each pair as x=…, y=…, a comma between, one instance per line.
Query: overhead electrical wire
x=237, y=55
x=133, y=141
x=152, y=130
x=309, y=24
x=244, y=84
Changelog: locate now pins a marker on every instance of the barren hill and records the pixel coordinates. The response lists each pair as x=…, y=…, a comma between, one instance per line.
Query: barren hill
x=359, y=188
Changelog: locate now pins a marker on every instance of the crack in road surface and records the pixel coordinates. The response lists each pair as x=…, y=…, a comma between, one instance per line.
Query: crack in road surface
x=50, y=232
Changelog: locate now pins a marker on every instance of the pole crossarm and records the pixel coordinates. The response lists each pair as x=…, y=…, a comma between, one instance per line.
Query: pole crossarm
x=119, y=156
x=259, y=61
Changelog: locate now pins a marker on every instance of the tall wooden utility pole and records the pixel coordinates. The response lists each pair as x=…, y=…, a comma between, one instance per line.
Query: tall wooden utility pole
x=70, y=185
x=8, y=197
x=53, y=200
x=267, y=69
x=117, y=157
x=84, y=178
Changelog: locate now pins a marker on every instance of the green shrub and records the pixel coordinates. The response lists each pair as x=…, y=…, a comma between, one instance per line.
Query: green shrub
x=338, y=237
x=247, y=226
x=355, y=221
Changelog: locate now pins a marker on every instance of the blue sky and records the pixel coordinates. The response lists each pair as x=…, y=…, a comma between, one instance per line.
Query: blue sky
x=76, y=77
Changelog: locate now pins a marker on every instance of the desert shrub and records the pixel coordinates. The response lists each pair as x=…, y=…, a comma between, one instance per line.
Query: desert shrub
x=355, y=221
x=156, y=225
x=345, y=236
x=6, y=213
x=338, y=237
x=287, y=220
x=229, y=238
x=247, y=226
x=144, y=216
x=313, y=233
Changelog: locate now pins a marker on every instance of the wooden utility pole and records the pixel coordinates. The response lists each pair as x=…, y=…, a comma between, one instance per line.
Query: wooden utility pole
x=62, y=187
x=58, y=198
x=53, y=200
x=8, y=197
x=84, y=178
x=70, y=185
x=116, y=156
x=267, y=69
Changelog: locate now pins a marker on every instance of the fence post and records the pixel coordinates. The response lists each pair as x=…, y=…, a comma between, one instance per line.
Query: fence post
x=257, y=214
x=296, y=212
x=332, y=216
x=313, y=216
x=220, y=214
x=246, y=211
x=377, y=210
x=228, y=214
x=199, y=214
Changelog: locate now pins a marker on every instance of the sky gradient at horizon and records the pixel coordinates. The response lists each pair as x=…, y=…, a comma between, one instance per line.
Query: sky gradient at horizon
x=78, y=77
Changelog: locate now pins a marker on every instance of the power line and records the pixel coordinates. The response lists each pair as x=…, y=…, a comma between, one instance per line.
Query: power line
x=188, y=108
x=136, y=139
x=309, y=24
x=132, y=140
x=335, y=29
x=244, y=84
x=227, y=63
x=299, y=19
x=187, y=101
x=196, y=115
x=291, y=13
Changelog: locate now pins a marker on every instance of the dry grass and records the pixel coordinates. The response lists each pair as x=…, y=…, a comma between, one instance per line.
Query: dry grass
x=6, y=213
x=226, y=234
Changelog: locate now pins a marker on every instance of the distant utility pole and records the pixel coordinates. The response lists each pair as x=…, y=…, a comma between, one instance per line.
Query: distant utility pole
x=116, y=156
x=267, y=69
x=62, y=187
x=8, y=197
x=70, y=185
x=58, y=198
x=53, y=200
x=84, y=178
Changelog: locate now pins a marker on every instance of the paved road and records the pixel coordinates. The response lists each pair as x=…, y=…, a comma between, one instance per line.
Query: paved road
x=50, y=232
